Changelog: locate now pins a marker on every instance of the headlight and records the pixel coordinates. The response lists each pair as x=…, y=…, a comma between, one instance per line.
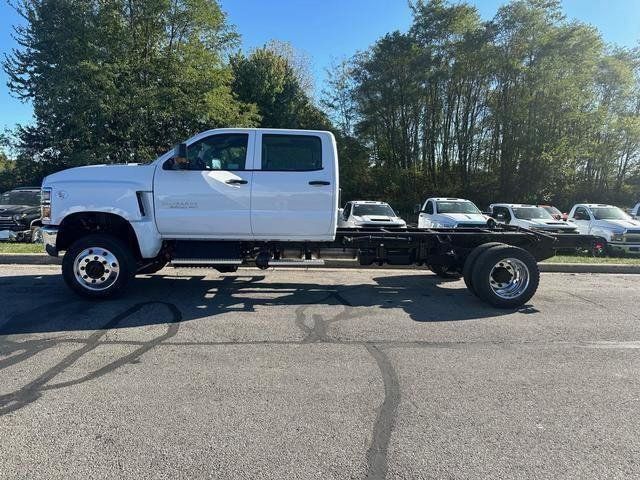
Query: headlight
x=45, y=203
x=617, y=237
x=18, y=217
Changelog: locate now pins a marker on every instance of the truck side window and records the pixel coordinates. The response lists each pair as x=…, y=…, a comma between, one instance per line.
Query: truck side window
x=503, y=213
x=347, y=211
x=291, y=153
x=581, y=214
x=429, y=209
x=226, y=151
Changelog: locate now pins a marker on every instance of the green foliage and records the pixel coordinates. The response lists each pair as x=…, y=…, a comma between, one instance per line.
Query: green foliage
x=132, y=78
x=526, y=107
x=269, y=80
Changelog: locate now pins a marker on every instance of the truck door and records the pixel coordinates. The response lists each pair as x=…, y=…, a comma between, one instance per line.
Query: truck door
x=425, y=219
x=294, y=194
x=582, y=220
x=210, y=196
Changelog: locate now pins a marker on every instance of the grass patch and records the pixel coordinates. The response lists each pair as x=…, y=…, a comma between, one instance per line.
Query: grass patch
x=11, y=247
x=587, y=259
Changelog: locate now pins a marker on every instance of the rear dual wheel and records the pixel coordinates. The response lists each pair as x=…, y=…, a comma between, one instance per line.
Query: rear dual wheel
x=502, y=275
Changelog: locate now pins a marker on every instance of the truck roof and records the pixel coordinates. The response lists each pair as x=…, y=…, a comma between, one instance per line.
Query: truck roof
x=371, y=202
x=589, y=205
x=517, y=205
x=448, y=199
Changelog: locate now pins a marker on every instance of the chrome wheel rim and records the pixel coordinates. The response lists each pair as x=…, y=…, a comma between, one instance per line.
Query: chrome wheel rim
x=509, y=278
x=96, y=268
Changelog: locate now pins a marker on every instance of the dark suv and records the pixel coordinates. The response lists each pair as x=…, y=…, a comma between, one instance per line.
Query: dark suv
x=20, y=214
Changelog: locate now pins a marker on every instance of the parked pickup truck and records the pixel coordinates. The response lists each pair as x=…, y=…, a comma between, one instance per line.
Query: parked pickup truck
x=262, y=197
x=620, y=230
x=529, y=216
x=367, y=213
x=20, y=214
x=443, y=212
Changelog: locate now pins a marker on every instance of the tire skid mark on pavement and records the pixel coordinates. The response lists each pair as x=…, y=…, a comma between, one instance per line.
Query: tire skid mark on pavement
x=34, y=390
x=385, y=422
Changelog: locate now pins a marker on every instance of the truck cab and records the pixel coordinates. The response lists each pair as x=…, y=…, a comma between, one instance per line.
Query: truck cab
x=528, y=216
x=619, y=229
x=442, y=212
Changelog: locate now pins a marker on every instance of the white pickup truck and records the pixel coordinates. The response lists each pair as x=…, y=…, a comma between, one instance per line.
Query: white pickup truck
x=529, y=216
x=620, y=230
x=369, y=213
x=444, y=212
x=263, y=197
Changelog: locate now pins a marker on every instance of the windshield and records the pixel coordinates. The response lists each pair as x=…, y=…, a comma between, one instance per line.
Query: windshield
x=609, y=213
x=457, y=207
x=20, y=197
x=553, y=210
x=531, y=213
x=373, y=209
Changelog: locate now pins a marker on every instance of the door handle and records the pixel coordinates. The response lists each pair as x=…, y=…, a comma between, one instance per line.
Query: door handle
x=319, y=182
x=236, y=181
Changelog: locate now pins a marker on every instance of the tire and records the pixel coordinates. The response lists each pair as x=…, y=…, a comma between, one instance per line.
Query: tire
x=505, y=276
x=98, y=266
x=443, y=271
x=471, y=260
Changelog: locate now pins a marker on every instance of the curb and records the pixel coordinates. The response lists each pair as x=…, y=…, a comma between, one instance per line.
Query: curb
x=28, y=259
x=40, y=259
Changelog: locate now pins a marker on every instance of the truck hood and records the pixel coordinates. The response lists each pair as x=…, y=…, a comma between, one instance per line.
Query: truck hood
x=132, y=173
x=550, y=223
x=617, y=224
x=6, y=210
x=384, y=219
x=462, y=218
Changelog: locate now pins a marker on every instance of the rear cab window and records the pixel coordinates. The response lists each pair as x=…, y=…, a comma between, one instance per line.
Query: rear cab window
x=291, y=153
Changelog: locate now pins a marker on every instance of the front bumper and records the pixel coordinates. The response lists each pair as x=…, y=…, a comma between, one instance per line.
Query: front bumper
x=49, y=238
x=625, y=247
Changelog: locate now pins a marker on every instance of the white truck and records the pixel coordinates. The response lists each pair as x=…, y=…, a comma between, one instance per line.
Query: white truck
x=620, y=230
x=442, y=212
x=369, y=213
x=263, y=197
x=529, y=216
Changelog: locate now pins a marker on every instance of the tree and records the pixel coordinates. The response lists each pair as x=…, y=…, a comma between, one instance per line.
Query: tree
x=527, y=107
x=268, y=79
x=132, y=79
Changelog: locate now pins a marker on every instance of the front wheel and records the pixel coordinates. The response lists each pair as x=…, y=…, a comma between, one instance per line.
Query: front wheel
x=505, y=276
x=98, y=266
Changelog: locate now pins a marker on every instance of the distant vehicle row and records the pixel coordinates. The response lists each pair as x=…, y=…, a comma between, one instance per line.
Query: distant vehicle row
x=619, y=229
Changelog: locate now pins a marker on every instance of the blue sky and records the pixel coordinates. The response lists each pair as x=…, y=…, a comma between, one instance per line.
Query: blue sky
x=335, y=29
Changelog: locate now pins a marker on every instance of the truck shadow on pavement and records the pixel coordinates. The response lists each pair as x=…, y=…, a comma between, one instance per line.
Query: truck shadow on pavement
x=50, y=307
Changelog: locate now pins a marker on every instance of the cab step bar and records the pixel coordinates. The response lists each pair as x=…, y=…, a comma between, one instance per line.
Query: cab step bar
x=298, y=262
x=205, y=261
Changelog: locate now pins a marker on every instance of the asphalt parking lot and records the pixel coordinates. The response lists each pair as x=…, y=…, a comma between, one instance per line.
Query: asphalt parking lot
x=318, y=374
